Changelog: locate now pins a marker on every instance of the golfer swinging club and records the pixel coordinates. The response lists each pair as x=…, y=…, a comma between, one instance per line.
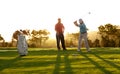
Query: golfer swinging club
x=83, y=34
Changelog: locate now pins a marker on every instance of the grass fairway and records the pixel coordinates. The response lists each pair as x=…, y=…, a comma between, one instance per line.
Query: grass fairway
x=51, y=61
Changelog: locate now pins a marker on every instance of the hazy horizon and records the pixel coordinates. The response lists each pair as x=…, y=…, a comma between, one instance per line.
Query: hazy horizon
x=43, y=14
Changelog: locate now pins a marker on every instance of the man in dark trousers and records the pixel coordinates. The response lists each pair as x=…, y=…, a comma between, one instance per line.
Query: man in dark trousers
x=59, y=28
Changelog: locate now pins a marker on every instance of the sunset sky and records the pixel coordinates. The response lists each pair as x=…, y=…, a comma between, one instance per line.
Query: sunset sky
x=43, y=14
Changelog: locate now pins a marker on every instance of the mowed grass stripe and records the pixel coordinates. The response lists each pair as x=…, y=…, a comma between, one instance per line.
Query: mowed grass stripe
x=51, y=61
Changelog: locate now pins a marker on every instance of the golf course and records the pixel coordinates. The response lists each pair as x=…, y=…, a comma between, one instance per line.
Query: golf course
x=52, y=61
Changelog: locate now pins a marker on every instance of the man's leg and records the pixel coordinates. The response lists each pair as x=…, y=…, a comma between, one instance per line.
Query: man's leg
x=86, y=42
x=79, y=42
x=58, y=41
x=63, y=42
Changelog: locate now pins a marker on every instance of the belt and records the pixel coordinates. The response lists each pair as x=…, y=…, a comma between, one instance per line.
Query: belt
x=83, y=32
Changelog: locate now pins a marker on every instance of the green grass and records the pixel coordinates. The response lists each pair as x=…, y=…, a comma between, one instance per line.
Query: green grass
x=51, y=61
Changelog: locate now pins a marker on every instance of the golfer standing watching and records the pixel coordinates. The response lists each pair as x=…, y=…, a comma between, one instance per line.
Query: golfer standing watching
x=59, y=28
x=83, y=34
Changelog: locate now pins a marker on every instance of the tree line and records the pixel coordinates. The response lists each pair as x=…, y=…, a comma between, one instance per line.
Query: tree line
x=35, y=38
x=109, y=36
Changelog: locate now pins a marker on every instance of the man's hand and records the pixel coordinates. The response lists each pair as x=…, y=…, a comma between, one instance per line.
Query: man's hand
x=76, y=23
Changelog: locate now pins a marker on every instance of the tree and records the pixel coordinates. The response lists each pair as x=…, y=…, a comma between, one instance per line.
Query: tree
x=2, y=41
x=15, y=36
x=107, y=32
x=38, y=37
x=107, y=28
x=72, y=39
x=96, y=43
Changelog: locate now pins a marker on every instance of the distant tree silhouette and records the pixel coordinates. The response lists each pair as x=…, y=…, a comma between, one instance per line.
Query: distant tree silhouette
x=110, y=35
x=96, y=43
x=72, y=39
x=38, y=37
x=15, y=36
x=2, y=41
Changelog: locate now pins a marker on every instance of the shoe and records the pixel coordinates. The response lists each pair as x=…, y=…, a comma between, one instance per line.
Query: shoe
x=59, y=49
x=22, y=55
x=64, y=49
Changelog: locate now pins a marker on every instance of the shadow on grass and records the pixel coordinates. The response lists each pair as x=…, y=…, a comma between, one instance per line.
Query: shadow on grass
x=68, y=69
x=96, y=64
x=62, y=57
x=7, y=58
x=8, y=63
x=106, y=51
x=42, y=52
x=38, y=59
x=26, y=63
x=57, y=64
x=108, y=62
x=49, y=52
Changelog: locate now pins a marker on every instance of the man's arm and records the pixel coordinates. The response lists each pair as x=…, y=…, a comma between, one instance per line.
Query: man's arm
x=76, y=23
x=63, y=28
x=56, y=28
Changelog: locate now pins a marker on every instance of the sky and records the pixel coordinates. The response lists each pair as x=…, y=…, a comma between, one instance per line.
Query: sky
x=43, y=14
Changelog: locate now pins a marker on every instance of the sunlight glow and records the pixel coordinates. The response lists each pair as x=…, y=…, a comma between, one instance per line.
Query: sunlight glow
x=43, y=14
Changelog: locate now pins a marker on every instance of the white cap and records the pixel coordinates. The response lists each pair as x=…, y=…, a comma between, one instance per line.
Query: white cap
x=80, y=19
